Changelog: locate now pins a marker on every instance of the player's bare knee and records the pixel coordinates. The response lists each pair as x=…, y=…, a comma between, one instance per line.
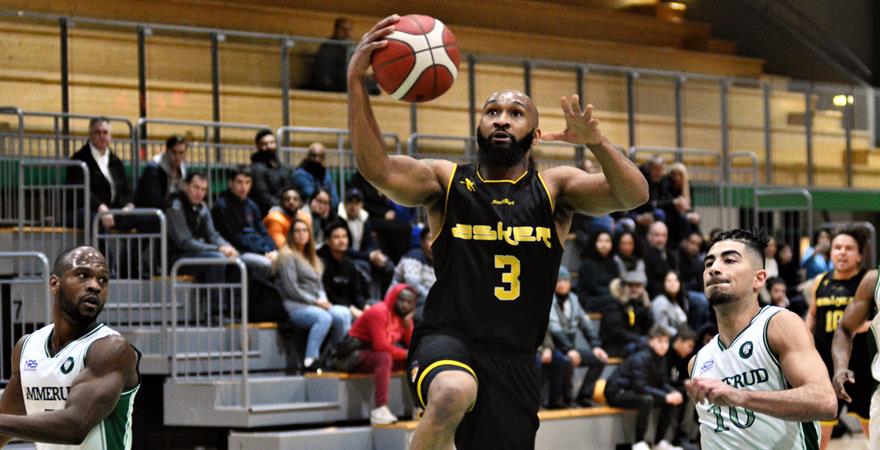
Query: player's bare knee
x=451, y=394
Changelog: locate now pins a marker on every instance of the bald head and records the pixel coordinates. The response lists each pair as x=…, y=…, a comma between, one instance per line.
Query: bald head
x=658, y=234
x=511, y=95
x=75, y=257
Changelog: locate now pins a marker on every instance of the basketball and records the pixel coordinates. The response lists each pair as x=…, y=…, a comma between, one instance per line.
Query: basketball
x=420, y=62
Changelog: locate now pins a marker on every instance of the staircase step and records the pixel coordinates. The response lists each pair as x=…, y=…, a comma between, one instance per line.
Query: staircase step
x=296, y=406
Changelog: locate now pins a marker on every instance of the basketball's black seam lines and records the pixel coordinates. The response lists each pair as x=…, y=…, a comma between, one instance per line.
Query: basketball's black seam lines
x=431, y=53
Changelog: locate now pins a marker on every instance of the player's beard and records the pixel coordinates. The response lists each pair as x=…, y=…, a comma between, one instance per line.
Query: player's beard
x=720, y=298
x=71, y=307
x=512, y=154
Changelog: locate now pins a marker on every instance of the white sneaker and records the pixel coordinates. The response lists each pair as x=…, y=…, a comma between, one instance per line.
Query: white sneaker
x=665, y=445
x=641, y=445
x=382, y=416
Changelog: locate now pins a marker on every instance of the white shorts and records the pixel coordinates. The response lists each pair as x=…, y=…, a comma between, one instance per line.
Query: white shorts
x=874, y=424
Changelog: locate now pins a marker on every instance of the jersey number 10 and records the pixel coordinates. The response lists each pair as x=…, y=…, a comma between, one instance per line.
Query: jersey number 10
x=510, y=277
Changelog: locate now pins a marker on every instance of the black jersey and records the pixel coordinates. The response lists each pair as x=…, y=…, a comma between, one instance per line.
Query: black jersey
x=832, y=298
x=496, y=257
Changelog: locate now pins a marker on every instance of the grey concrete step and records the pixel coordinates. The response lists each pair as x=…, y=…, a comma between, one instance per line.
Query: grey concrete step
x=330, y=438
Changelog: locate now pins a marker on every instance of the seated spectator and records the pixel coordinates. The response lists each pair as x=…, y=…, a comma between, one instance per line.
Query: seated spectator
x=191, y=232
x=384, y=331
x=771, y=267
x=659, y=260
x=554, y=370
x=269, y=175
x=566, y=319
x=690, y=260
x=321, y=213
x=299, y=279
x=670, y=307
x=109, y=187
x=648, y=213
x=789, y=269
x=678, y=206
x=342, y=280
x=626, y=321
x=778, y=297
x=416, y=269
x=163, y=176
x=628, y=253
x=389, y=225
x=312, y=174
x=238, y=219
x=816, y=259
x=328, y=70
x=596, y=272
x=363, y=244
x=681, y=350
x=642, y=382
x=280, y=217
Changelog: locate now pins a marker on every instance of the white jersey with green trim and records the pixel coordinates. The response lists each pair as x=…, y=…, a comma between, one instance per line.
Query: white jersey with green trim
x=749, y=364
x=874, y=334
x=46, y=381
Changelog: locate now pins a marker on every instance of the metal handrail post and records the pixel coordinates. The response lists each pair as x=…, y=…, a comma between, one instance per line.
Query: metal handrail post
x=47, y=298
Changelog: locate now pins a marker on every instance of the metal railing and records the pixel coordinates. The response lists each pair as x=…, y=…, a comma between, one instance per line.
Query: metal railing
x=138, y=262
x=52, y=213
x=787, y=211
x=340, y=152
x=212, y=340
x=29, y=305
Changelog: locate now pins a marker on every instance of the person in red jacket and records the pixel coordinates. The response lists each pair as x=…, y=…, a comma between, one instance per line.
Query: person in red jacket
x=385, y=330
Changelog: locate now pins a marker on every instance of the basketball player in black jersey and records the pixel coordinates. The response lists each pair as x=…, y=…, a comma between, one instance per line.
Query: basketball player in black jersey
x=834, y=291
x=496, y=231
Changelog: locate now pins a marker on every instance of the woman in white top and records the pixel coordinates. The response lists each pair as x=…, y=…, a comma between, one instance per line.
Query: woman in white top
x=670, y=307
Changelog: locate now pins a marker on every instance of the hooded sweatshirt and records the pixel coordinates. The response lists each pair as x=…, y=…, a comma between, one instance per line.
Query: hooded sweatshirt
x=382, y=327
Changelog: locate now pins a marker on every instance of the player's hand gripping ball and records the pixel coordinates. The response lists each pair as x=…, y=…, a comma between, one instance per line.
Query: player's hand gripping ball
x=420, y=62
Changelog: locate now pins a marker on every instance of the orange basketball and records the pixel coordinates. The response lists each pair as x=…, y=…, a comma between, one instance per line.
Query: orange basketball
x=420, y=62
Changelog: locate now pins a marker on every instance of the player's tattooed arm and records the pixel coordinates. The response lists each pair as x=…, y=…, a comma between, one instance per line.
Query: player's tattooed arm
x=111, y=365
x=853, y=319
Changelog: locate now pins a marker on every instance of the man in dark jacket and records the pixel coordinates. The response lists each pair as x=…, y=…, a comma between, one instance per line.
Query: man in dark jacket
x=343, y=281
x=109, y=187
x=269, y=175
x=626, y=321
x=642, y=382
x=659, y=260
x=162, y=178
x=239, y=221
x=391, y=230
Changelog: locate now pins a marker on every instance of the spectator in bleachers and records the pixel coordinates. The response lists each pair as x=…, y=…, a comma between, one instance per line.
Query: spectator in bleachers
x=321, y=213
x=163, y=176
x=677, y=205
x=670, y=307
x=312, y=174
x=789, y=269
x=328, y=70
x=385, y=330
x=299, y=279
x=191, y=232
x=390, y=227
x=779, y=297
x=772, y=269
x=816, y=259
x=659, y=259
x=691, y=257
x=269, y=175
x=642, y=382
x=597, y=269
x=555, y=371
x=238, y=219
x=628, y=253
x=343, y=281
x=681, y=350
x=645, y=215
x=109, y=187
x=281, y=216
x=566, y=320
x=626, y=321
x=416, y=269
x=363, y=243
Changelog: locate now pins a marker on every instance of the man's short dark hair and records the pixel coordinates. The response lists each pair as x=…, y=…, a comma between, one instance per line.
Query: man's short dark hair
x=858, y=234
x=261, y=134
x=658, y=331
x=684, y=333
x=754, y=241
x=175, y=139
x=96, y=120
x=773, y=281
x=192, y=174
x=239, y=170
x=289, y=187
x=332, y=226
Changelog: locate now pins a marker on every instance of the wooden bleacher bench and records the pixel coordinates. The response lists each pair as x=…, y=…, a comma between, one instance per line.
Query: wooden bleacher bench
x=349, y=376
x=32, y=229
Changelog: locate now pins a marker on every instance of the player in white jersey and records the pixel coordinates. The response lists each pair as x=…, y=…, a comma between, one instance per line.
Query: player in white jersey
x=756, y=383
x=73, y=381
x=855, y=320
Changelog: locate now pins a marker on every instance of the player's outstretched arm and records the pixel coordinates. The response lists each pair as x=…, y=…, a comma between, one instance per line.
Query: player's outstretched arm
x=12, y=401
x=405, y=180
x=621, y=186
x=810, y=397
x=854, y=316
x=111, y=365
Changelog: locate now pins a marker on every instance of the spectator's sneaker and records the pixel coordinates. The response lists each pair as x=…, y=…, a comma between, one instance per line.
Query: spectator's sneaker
x=382, y=416
x=641, y=445
x=665, y=445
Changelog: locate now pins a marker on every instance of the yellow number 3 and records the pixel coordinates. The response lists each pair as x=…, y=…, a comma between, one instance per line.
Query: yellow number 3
x=510, y=277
